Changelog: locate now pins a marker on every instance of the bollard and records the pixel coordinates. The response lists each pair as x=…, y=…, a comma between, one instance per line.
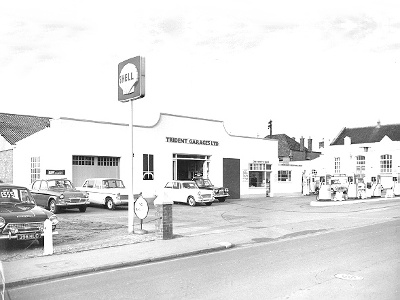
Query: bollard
x=163, y=208
x=48, y=238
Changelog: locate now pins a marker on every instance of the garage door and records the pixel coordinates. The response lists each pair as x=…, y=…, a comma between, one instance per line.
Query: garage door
x=231, y=169
x=94, y=166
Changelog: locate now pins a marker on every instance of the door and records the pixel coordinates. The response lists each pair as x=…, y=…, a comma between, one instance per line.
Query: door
x=231, y=176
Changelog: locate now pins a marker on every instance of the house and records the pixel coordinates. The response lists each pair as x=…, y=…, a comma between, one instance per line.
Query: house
x=14, y=128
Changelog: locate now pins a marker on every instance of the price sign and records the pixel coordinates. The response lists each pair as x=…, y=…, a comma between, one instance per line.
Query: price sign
x=141, y=208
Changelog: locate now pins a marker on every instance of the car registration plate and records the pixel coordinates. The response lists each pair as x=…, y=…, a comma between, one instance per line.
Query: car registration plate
x=28, y=236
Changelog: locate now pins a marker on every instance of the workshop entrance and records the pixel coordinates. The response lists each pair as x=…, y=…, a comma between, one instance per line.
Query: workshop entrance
x=187, y=166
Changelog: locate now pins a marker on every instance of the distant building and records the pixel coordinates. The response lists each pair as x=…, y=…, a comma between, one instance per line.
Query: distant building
x=372, y=153
x=14, y=128
x=291, y=150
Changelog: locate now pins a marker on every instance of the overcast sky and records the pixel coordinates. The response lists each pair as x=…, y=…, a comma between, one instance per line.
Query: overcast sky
x=313, y=67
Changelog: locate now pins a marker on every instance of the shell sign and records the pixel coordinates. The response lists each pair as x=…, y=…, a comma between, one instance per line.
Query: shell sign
x=131, y=79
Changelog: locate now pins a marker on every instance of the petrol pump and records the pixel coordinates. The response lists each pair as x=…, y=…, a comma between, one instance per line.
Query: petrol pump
x=396, y=185
x=324, y=192
x=374, y=188
x=356, y=187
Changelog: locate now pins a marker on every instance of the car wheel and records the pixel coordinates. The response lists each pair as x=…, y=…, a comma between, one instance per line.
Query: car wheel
x=110, y=204
x=191, y=201
x=53, y=207
x=82, y=208
x=221, y=199
x=208, y=203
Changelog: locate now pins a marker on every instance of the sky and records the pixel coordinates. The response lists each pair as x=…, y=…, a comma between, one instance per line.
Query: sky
x=312, y=67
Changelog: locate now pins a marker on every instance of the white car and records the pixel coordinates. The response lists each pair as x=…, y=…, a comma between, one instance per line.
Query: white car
x=110, y=192
x=187, y=192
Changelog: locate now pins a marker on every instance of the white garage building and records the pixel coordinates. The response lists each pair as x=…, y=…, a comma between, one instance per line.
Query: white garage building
x=175, y=147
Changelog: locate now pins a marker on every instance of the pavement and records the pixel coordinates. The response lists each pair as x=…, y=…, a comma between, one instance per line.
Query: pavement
x=187, y=242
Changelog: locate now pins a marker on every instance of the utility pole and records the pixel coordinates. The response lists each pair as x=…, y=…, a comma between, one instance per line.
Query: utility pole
x=270, y=128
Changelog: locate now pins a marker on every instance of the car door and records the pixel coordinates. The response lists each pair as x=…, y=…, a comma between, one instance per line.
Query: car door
x=38, y=193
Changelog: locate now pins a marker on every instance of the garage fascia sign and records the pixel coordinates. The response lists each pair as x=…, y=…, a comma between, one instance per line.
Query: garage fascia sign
x=191, y=141
x=131, y=79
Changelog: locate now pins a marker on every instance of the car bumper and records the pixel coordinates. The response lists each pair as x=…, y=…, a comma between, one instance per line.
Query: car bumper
x=73, y=204
x=121, y=202
x=221, y=196
x=204, y=200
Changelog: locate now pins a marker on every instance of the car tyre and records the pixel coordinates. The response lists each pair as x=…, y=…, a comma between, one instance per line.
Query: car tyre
x=110, y=204
x=208, y=203
x=82, y=208
x=191, y=201
x=221, y=199
x=53, y=207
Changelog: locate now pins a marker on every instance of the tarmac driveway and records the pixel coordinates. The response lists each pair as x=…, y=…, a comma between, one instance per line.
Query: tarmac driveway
x=254, y=219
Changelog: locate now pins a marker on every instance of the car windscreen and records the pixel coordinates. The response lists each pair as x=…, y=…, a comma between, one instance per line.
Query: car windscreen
x=60, y=183
x=113, y=183
x=15, y=195
x=203, y=182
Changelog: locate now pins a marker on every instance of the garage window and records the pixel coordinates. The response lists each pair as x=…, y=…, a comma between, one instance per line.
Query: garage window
x=148, y=167
x=107, y=161
x=79, y=160
x=35, y=168
x=284, y=175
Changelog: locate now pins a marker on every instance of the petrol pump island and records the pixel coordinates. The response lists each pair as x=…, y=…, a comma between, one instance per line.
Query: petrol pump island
x=341, y=187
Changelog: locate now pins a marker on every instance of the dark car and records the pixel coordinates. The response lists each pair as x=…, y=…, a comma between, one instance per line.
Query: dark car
x=20, y=218
x=58, y=194
x=220, y=193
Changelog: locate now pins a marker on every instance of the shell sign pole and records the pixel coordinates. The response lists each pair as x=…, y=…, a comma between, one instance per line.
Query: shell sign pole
x=131, y=86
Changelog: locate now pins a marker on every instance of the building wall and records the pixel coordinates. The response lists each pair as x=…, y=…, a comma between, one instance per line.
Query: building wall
x=348, y=153
x=6, y=166
x=67, y=137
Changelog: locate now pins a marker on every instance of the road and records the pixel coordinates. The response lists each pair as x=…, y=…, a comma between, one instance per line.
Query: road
x=358, y=263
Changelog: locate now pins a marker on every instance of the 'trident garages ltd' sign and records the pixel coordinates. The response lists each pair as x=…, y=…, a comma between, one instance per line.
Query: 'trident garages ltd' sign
x=191, y=141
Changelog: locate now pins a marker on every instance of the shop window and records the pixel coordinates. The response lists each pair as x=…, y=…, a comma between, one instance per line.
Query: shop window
x=35, y=168
x=337, y=165
x=360, y=164
x=284, y=175
x=386, y=163
x=148, y=167
x=78, y=160
x=107, y=161
x=259, y=174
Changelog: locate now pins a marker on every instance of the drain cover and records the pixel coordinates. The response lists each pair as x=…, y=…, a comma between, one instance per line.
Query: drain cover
x=348, y=277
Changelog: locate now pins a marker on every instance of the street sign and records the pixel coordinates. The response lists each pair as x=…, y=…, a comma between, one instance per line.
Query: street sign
x=141, y=208
x=131, y=79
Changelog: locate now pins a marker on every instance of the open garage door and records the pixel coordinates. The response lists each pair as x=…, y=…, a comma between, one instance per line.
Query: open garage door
x=231, y=171
x=84, y=167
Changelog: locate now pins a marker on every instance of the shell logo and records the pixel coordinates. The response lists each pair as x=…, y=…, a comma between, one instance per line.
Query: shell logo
x=131, y=79
x=128, y=78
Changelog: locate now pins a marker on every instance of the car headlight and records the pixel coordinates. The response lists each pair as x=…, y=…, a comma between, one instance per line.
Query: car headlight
x=54, y=220
x=2, y=222
x=226, y=190
x=61, y=196
x=118, y=196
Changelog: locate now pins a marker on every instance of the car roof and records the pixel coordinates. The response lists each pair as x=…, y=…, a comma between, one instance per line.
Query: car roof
x=10, y=185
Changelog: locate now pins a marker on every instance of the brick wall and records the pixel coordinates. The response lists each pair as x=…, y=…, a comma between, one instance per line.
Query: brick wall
x=6, y=166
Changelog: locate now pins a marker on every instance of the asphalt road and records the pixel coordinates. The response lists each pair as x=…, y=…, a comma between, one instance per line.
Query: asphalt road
x=359, y=263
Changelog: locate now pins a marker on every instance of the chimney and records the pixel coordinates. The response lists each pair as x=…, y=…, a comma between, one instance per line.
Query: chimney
x=309, y=144
x=322, y=144
x=378, y=124
x=301, y=144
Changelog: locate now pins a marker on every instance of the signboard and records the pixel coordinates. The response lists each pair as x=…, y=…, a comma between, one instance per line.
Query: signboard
x=141, y=208
x=191, y=141
x=55, y=172
x=131, y=79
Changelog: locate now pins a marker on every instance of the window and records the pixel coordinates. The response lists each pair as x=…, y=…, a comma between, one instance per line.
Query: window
x=360, y=164
x=35, y=168
x=78, y=160
x=284, y=175
x=107, y=161
x=148, y=167
x=386, y=163
x=337, y=165
x=258, y=174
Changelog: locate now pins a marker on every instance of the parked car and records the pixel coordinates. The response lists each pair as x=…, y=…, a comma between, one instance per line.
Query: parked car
x=109, y=192
x=187, y=192
x=20, y=217
x=58, y=194
x=220, y=193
